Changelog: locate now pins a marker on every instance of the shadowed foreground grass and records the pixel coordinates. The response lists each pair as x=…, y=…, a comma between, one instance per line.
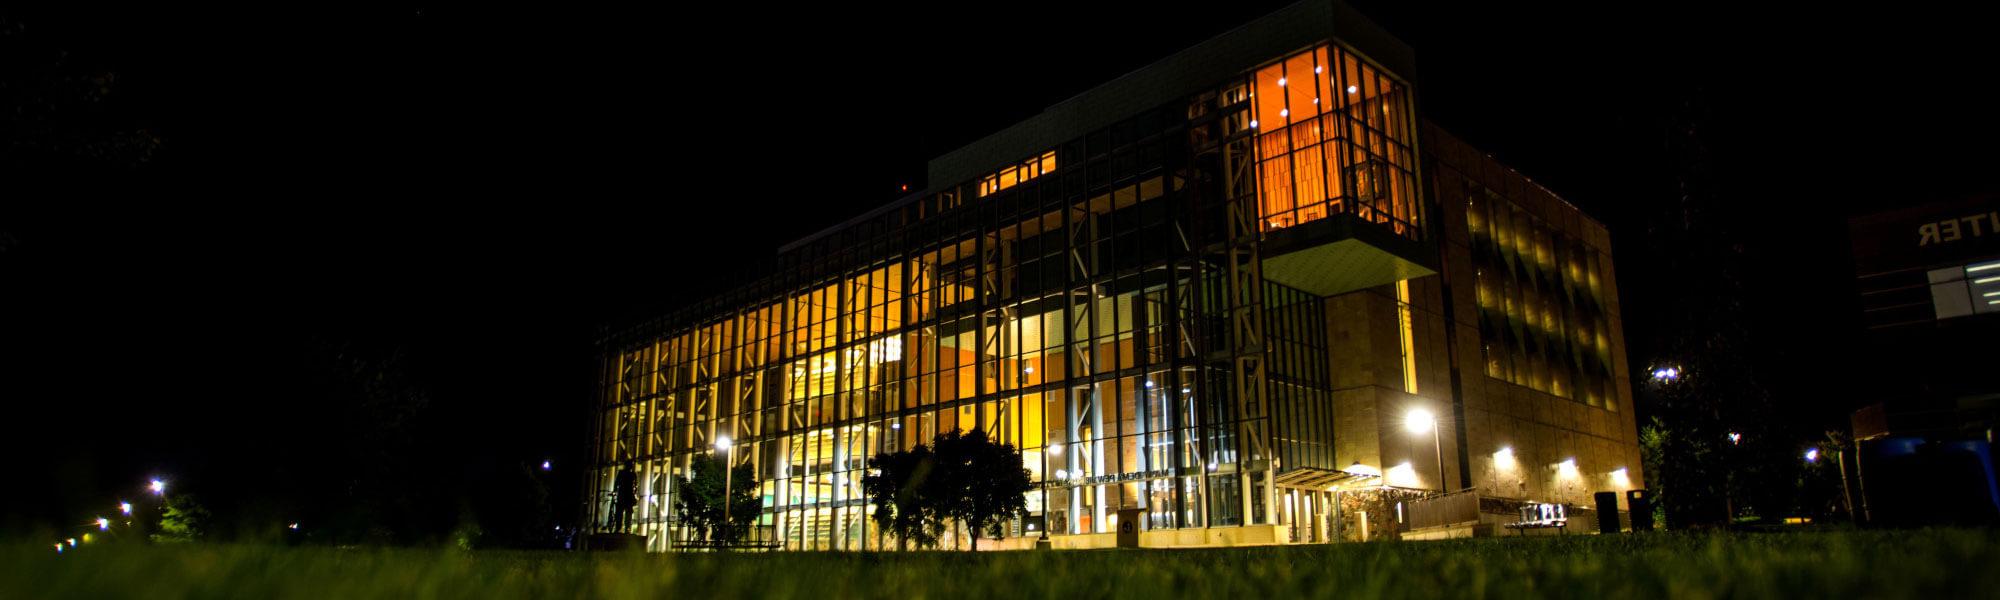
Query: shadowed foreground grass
x=1872, y=564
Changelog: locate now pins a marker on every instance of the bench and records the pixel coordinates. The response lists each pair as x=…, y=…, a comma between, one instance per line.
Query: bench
x=1541, y=516
x=714, y=545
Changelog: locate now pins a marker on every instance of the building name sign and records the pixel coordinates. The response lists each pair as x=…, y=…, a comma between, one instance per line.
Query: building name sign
x=1952, y=230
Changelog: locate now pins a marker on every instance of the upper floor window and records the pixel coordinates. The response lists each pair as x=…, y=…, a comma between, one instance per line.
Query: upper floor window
x=1017, y=174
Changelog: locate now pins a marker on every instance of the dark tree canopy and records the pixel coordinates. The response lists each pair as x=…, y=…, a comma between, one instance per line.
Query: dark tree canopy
x=960, y=478
x=896, y=487
x=699, y=505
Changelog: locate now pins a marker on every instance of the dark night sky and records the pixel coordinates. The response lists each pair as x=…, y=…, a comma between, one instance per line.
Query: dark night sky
x=481, y=186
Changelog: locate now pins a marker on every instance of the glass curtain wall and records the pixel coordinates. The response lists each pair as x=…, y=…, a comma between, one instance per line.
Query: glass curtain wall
x=1064, y=305
x=1334, y=136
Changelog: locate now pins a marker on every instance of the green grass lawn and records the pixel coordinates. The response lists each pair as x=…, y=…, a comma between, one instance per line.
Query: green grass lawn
x=1870, y=564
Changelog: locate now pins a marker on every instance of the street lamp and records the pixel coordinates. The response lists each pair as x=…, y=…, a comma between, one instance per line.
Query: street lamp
x=728, y=476
x=125, y=507
x=158, y=487
x=1418, y=421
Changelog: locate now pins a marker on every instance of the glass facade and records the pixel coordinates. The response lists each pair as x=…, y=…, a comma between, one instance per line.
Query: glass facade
x=1100, y=303
x=1334, y=136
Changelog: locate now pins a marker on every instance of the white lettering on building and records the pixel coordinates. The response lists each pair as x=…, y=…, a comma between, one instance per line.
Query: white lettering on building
x=1952, y=230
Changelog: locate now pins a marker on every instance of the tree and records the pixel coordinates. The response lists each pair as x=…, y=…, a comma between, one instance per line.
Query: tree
x=960, y=478
x=987, y=485
x=896, y=487
x=698, y=504
x=182, y=520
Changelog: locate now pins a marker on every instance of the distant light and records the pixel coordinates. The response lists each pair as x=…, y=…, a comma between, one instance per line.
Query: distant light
x=905, y=187
x=1621, y=478
x=546, y=465
x=1319, y=69
x=1364, y=470
x=125, y=507
x=1567, y=468
x=1992, y=265
x=86, y=538
x=59, y=547
x=1187, y=390
x=294, y=526
x=722, y=442
x=1504, y=458
x=1990, y=294
x=1214, y=466
x=72, y=542
x=1419, y=420
x=1149, y=383
x=1812, y=455
x=1735, y=438
x=1986, y=280
x=1666, y=373
x=1284, y=112
x=1352, y=89
x=1315, y=101
x=895, y=425
x=1253, y=123
x=1062, y=473
x=158, y=487
x=1056, y=449
x=1028, y=370
x=1281, y=81
x=103, y=524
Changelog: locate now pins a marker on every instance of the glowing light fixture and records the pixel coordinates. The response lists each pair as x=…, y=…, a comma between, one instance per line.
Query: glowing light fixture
x=1056, y=449
x=1735, y=438
x=1319, y=69
x=295, y=526
x=1620, y=478
x=1991, y=265
x=1364, y=470
x=103, y=524
x=546, y=465
x=1253, y=123
x=125, y=507
x=1984, y=280
x=158, y=487
x=722, y=442
x=1567, y=468
x=1284, y=112
x=1352, y=89
x=1281, y=81
x=1504, y=459
x=1419, y=420
x=1149, y=383
x=1812, y=455
x=72, y=542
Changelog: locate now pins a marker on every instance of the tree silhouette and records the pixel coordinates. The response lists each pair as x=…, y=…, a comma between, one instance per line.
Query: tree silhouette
x=986, y=484
x=896, y=487
x=698, y=505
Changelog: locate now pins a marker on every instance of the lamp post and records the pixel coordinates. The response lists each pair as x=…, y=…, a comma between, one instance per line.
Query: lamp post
x=1418, y=421
x=1055, y=449
x=728, y=477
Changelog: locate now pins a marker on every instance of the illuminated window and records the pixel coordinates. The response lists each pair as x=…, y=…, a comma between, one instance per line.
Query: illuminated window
x=1332, y=137
x=1018, y=174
